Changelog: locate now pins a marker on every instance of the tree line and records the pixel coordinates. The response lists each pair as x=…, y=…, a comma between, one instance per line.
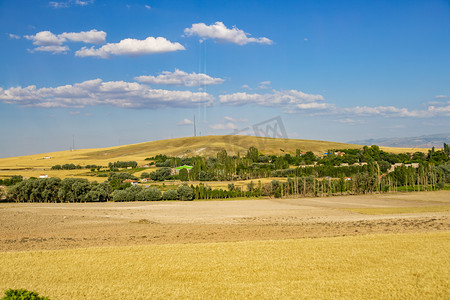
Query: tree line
x=81, y=190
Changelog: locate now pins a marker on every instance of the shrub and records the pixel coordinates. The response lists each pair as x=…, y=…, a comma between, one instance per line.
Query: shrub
x=22, y=294
x=185, y=193
x=122, y=195
x=150, y=194
x=170, y=195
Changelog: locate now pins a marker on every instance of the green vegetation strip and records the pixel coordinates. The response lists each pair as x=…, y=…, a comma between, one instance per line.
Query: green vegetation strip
x=398, y=210
x=394, y=266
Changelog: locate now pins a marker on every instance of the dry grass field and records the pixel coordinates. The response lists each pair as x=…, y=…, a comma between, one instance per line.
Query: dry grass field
x=393, y=266
x=34, y=165
x=385, y=246
x=308, y=248
x=46, y=226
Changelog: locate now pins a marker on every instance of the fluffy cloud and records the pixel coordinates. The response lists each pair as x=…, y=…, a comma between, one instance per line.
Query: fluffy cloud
x=92, y=37
x=132, y=47
x=432, y=110
x=50, y=42
x=96, y=92
x=185, y=122
x=221, y=33
x=180, y=78
x=291, y=99
x=45, y=38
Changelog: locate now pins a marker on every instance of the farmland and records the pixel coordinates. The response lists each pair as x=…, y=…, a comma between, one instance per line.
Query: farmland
x=270, y=248
x=365, y=267
x=376, y=243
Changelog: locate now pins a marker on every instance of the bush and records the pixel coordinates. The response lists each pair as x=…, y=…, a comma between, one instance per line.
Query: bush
x=145, y=175
x=170, y=195
x=185, y=193
x=22, y=294
x=151, y=194
x=122, y=195
x=160, y=174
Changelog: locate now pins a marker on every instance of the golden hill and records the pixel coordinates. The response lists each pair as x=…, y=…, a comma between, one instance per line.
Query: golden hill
x=190, y=146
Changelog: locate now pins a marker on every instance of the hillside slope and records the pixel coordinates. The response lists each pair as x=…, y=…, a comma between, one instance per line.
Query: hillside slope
x=190, y=146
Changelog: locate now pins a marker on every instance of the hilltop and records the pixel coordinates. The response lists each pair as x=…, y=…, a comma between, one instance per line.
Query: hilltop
x=188, y=146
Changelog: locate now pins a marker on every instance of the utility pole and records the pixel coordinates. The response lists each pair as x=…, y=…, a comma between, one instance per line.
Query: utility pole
x=195, y=129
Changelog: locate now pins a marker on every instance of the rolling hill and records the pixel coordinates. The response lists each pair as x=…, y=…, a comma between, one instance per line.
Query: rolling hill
x=190, y=146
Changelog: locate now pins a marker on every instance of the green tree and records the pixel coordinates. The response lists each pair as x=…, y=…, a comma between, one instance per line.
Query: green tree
x=122, y=196
x=161, y=174
x=185, y=193
x=253, y=153
x=150, y=194
x=170, y=195
x=184, y=175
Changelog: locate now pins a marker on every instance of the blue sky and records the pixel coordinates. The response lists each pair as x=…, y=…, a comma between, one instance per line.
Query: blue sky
x=119, y=72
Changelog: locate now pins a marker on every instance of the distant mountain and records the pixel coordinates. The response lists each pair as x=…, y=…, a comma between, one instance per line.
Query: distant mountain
x=424, y=141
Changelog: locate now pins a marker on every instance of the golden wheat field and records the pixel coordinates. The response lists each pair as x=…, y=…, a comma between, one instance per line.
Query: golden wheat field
x=394, y=266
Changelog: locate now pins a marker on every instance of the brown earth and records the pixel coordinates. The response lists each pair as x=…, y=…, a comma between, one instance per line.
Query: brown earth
x=37, y=226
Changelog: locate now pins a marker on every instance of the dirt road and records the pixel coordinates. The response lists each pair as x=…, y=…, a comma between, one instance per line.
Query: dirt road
x=69, y=225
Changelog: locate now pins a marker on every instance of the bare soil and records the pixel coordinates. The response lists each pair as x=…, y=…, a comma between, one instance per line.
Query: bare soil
x=38, y=226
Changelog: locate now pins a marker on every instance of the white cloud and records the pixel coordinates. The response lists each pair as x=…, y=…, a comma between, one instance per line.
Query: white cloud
x=96, y=92
x=58, y=4
x=223, y=126
x=148, y=7
x=185, y=122
x=45, y=38
x=64, y=4
x=293, y=101
x=13, y=36
x=92, y=37
x=245, y=86
x=264, y=85
x=132, y=47
x=50, y=42
x=55, y=49
x=441, y=96
x=432, y=110
x=179, y=77
x=290, y=99
x=84, y=3
x=221, y=33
